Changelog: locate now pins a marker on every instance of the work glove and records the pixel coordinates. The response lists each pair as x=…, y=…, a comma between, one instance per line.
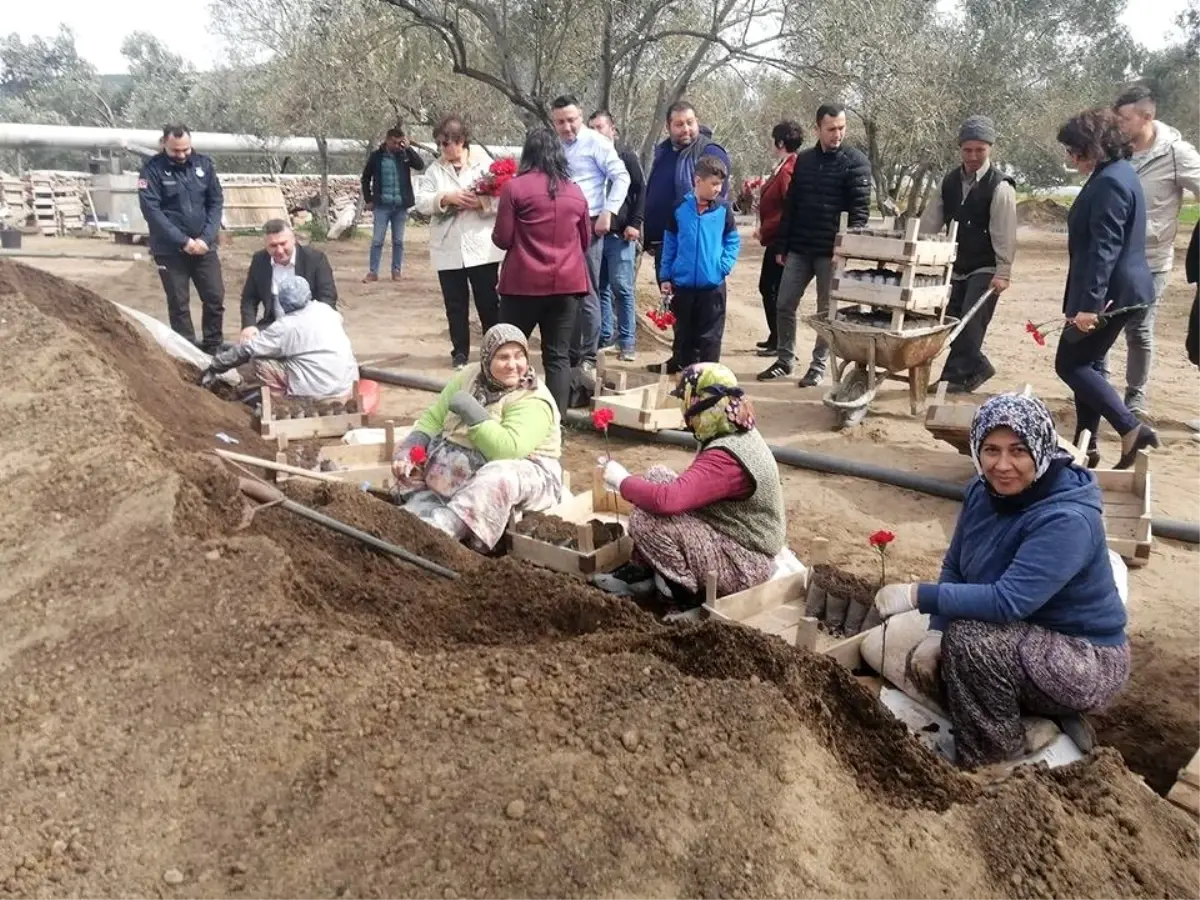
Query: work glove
x=208, y=377
x=923, y=664
x=614, y=474
x=468, y=408
x=893, y=599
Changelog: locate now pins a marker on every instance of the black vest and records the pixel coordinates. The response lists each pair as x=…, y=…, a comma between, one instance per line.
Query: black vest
x=974, y=219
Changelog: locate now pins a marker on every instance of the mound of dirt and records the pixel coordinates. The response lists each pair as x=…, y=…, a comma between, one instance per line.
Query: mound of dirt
x=1042, y=213
x=197, y=701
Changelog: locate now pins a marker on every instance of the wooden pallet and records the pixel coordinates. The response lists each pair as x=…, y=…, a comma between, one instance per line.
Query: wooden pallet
x=646, y=408
x=1186, y=792
x=580, y=509
x=309, y=426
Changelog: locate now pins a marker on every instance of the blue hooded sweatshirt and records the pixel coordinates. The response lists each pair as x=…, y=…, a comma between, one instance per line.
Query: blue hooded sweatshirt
x=699, y=248
x=1046, y=564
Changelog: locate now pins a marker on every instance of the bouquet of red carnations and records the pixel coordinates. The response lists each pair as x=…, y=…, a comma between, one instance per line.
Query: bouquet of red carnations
x=499, y=173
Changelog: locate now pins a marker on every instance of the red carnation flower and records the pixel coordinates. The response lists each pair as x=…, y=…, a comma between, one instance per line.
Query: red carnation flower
x=881, y=538
x=417, y=456
x=601, y=419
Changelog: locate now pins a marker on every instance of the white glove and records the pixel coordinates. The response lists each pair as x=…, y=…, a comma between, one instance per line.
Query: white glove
x=614, y=474
x=893, y=599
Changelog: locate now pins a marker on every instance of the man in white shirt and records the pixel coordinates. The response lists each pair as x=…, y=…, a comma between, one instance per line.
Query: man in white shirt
x=596, y=167
x=282, y=257
x=1167, y=165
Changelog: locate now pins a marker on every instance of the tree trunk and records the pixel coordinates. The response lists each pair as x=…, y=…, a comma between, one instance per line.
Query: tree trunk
x=323, y=210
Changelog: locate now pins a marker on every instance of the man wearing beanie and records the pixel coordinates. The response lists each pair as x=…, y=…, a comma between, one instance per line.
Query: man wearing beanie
x=984, y=203
x=303, y=354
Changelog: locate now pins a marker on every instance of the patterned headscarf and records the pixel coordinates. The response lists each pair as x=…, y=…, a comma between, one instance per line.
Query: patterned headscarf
x=713, y=404
x=293, y=294
x=486, y=389
x=1028, y=418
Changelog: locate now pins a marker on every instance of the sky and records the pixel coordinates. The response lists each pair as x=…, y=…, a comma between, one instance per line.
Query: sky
x=100, y=28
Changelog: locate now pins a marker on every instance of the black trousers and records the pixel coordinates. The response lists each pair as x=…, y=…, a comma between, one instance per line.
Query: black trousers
x=967, y=359
x=554, y=317
x=699, y=325
x=457, y=287
x=1192, y=341
x=178, y=271
x=768, y=287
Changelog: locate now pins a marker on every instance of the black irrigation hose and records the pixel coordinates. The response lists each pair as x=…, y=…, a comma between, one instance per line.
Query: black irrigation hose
x=1175, y=529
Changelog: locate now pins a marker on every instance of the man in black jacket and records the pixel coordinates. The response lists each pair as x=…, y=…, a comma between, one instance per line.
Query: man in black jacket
x=829, y=179
x=388, y=192
x=182, y=202
x=282, y=257
x=620, y=251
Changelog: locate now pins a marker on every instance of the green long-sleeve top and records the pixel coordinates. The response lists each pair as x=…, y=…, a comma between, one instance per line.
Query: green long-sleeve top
x=522, y=423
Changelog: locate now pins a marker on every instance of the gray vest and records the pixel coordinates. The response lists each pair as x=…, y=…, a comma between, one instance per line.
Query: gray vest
x=757, y=523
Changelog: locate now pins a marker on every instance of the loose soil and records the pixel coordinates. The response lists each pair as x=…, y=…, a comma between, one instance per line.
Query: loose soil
x=845, y=584
x=556, y=530
x=197, y=704
x=1042, y=213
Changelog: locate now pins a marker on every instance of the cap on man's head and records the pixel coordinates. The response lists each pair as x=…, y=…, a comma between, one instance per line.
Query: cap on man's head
x=977, y=128
x=294, y=293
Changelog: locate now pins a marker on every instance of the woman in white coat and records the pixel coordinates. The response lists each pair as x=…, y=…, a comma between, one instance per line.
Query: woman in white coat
x=460, y=238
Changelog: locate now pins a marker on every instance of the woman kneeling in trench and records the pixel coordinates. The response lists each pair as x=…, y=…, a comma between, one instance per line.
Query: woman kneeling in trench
x=1026, y=617
x=489, y=445
x=723, y=515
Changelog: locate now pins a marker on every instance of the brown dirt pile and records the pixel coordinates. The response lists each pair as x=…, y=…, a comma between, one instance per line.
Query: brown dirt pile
x=1041, y=213
x=196, y=706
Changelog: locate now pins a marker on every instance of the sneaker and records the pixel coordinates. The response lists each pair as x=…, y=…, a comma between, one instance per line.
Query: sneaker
x=775, y=372
x=626, y=356
x=608, y=346
x=767, y=351
x=811, y=378
x=395, y=274
x=459, y=362
x=369, y=277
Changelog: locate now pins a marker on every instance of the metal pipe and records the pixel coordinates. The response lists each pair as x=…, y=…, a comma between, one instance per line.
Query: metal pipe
x=264, y=493
x=56, y=254
x=1175, y=529
x=25, y=136
x=20, y=135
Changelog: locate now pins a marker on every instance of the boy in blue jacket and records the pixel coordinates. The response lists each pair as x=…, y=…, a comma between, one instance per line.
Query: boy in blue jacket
x=699, y=249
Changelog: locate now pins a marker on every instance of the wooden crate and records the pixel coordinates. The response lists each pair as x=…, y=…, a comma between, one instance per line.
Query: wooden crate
x=951, y=422
x=580, y=509
x=1186, y=792
x=1127, y=510
x=903, y=297
x=908, y=248
x=647, y=408
x=309, y=426
x=773, y=607
x=361, y=464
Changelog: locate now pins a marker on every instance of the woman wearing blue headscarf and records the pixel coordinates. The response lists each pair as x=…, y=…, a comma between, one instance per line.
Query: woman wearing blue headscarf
x=1026, y=616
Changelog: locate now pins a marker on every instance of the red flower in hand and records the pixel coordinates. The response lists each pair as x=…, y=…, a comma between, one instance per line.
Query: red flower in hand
x=417, y=456
x=881, y=539
x=601, y=419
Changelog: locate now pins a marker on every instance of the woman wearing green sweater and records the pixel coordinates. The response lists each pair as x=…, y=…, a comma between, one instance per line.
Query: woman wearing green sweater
x=489, y=445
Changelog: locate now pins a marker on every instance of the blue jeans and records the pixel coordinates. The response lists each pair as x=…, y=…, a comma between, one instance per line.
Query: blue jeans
x=616, y=277
x=396, y=216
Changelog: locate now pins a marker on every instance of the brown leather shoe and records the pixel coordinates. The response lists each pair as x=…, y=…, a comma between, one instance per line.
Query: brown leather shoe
x=369, y=277
x=395, y=276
